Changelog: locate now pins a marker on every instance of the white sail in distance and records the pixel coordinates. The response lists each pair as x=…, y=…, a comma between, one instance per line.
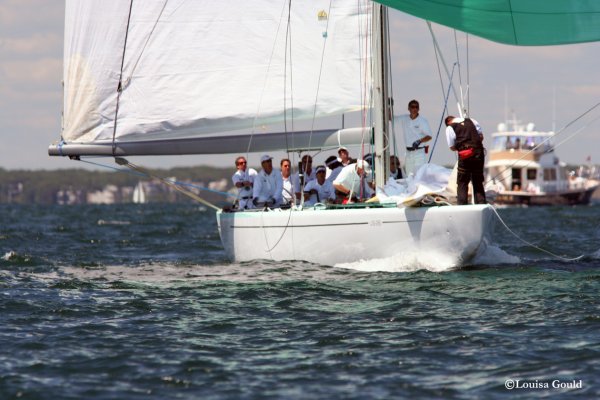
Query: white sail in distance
x=191, y=70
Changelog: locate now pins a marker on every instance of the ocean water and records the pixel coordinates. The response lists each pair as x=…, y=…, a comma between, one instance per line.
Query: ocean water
x=139, y=302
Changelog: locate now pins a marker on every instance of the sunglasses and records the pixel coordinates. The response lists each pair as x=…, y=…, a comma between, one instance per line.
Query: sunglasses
x=241, y=162
x=417, y=107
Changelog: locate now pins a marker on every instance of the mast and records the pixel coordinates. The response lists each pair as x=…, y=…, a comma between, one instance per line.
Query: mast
x=381, y=107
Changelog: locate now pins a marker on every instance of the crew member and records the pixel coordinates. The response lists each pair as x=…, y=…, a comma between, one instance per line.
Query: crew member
x=395, y=170
x=344, y=156
x=307, y=171
x=287, y=194
x=464, y=135
x=416, y=132
x=243, y=179
x=334, y=166
x=268, y=185
x=351, y=180
x=319, y=190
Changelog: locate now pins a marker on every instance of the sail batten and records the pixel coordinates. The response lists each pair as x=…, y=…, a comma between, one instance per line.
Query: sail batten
x=195, y=68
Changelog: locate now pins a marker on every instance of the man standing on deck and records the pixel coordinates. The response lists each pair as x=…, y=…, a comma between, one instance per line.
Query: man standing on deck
x=464, y=135
x=268, y=185
x=243, y=180
x=416, y=132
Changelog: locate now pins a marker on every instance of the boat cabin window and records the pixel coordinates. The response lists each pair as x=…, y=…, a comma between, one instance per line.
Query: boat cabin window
x=531, y=174
x=549, y=174
x=498, y=143
x=513, y=143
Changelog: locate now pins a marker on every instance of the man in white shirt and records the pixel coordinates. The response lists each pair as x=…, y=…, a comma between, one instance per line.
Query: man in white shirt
x=288, y=196
x=268, y=185
x=344, y=156
x=319, y=190
x=243, y=180
x=333, y=168
x=416, y=132
x=307, y=171
x=351, y=180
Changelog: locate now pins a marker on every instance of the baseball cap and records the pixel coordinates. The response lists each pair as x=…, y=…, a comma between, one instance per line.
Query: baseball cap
x=265, y=157
x=364, y=165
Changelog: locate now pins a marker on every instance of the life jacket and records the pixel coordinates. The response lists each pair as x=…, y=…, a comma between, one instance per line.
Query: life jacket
x=466, y=135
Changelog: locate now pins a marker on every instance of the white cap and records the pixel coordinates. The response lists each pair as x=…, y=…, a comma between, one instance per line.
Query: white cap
x=342, y=148
x=265, y=157
x=364, y=165
x=321, y=168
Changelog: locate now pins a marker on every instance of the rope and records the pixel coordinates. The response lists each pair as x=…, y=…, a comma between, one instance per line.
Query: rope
x=314, y=116
x=262, y=93
x=462, y=100
x=443, y=114
x=533, y=245
x=122, y=161
x=120, y=86
x=147, y=40
x=288, y=48
x=437, y=48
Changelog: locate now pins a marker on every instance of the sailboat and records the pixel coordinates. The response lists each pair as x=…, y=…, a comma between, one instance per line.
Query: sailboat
x=205, y=77
x=139, y=194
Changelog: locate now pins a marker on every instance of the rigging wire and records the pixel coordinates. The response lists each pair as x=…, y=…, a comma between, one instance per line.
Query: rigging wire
x=462, y=100
x=142, y=174
x=443, y=115
x=120, y=86
x=468, y=77
x=262, y=93
x=124, y=162
x=288, y=47
x=439, y=51
x=314, y=116
x=394, y=144
x=147, y=41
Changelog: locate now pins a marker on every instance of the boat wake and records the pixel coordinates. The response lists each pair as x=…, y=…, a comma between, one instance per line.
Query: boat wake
x=407, y=261
x=494, y=255
x=431, y=260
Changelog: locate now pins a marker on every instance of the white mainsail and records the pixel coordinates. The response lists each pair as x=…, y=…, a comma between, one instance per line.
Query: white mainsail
x=194, y=69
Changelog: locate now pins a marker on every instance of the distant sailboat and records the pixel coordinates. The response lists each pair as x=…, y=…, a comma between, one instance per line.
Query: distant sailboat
x=163, y=78
x=139, y=194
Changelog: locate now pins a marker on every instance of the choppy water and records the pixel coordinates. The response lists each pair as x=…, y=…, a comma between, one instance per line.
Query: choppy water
x=127, y=302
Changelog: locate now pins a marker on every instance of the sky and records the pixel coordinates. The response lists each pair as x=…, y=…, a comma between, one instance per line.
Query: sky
x=550, y=86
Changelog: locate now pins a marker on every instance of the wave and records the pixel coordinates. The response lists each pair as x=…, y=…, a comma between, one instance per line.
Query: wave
x=430, y=260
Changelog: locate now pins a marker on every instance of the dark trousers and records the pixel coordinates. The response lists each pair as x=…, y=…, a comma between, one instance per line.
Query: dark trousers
x=471, y=170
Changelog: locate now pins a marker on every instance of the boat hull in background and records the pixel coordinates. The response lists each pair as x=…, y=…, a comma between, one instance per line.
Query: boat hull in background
x=567, y=197
x=330, y=237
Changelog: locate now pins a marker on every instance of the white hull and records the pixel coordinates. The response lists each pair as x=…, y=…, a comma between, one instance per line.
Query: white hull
x=330, y=237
